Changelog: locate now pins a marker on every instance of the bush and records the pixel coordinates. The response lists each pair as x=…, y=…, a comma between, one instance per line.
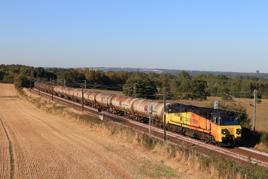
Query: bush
x=264, y=139
x=2, y=74
x=20, y=81
x=140, y=86
x=147, y=141
x=199, y=89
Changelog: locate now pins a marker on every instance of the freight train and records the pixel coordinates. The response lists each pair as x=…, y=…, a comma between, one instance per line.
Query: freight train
x=210, y=125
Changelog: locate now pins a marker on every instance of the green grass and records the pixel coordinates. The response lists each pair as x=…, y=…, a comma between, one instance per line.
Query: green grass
x=147, y=142
x=231, y=169
x=157, y=170
x=264, y=139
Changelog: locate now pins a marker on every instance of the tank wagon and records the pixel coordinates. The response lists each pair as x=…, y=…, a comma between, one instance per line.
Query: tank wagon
x=104, y=101
x=143, y=107
x=90, y=97
x=123, y=104
x=210, y=125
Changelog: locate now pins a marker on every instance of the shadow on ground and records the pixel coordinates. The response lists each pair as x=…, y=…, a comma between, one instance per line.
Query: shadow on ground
x=250, y=138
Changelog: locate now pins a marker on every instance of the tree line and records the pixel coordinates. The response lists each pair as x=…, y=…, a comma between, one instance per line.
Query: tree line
x=138, y=84
x=23, y=76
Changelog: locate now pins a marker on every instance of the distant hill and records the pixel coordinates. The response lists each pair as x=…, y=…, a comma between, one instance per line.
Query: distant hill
x=174, y=72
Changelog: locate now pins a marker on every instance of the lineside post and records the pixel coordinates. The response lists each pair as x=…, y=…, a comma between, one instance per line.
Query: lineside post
x=150, y=118
x=39, y=91
x=82, y=98
x=254, y=110
x=164, y=126
x=52, y=89
x=52, y=92
x=85, y=84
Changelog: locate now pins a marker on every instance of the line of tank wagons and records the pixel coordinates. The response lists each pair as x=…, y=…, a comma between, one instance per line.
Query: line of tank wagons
x=197, y=122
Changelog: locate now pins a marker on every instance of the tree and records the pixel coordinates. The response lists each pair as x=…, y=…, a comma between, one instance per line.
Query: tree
x=2, y=74
x=140, y=86
x=199, y=89
x=184, y=89
x=73, y=76
x=119, y=77
x=184, y=76
x=41, y=73
x=173, y=88
x=21, y=81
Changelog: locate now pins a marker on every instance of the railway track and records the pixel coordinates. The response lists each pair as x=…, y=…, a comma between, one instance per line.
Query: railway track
x=241, y=154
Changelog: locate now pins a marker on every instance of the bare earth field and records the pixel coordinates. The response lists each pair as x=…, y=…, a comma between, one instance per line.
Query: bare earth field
x=35, y=144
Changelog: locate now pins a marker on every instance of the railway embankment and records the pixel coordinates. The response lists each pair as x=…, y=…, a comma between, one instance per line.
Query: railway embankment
x=174, y=156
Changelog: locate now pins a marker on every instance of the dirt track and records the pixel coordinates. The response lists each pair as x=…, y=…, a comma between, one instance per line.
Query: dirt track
x=35, y=144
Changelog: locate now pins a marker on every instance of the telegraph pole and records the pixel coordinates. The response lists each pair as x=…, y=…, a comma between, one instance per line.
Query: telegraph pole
x=39, y=91
x=85, y=81
x=52, y=92
x=254, y=110
x=52, y=89
x=82, y=98
x=64, y=82
x=30, y=84
x=150, y=118
x=255, y=102
x=164, y=126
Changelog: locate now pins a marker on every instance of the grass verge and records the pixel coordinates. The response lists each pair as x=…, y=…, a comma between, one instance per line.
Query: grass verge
x=210, y=165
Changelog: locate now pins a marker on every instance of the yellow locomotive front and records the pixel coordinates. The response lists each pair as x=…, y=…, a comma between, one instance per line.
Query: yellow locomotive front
x=212, y=125
x=225, y=129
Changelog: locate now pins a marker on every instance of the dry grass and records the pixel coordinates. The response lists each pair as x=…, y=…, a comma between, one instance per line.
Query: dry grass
x=169, y=161
x=55, y=141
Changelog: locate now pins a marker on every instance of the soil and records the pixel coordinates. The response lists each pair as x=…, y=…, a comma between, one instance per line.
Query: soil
x=36, y=144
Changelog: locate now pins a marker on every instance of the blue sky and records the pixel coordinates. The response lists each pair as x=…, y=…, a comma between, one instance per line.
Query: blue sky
x=223, y=35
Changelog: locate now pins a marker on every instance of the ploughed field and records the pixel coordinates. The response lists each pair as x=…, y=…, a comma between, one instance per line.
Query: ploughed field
x=35, y=144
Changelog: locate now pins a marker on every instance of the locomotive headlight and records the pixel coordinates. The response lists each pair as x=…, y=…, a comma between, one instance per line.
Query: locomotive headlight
x=238, y=131
x=225, y=131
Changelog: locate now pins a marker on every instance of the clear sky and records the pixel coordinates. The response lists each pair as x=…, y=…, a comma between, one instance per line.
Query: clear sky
x=218, y=35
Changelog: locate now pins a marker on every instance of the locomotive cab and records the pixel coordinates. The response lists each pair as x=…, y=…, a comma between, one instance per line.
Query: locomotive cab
x=218, y=126
x=228, y=129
